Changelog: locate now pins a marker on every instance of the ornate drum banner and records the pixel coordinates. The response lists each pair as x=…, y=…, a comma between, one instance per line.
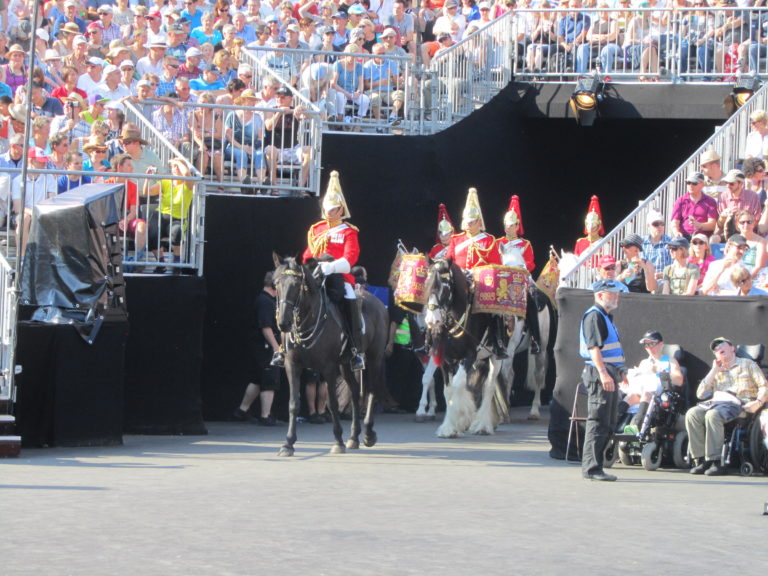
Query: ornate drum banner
x=409, y=292
x=500, y=290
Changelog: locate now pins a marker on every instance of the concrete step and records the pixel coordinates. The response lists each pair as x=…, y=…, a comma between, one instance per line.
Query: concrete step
x=7, y=424
x=10, y=446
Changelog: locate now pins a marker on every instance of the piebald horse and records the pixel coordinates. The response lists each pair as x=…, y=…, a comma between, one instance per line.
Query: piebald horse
x=462, y=347
x=314, y=339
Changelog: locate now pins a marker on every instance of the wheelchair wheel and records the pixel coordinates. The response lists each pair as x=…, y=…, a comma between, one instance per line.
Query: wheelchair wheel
x=758, y=454
x=624, y=456
x=680, y=451
x=610, y=454
x=650, y=457
x=746, y=469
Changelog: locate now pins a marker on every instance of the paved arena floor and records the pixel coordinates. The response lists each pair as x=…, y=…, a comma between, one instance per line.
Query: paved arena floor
x=414, y=504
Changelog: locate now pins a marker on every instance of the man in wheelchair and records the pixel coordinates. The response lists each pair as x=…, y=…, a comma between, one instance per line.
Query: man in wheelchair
x=733, y=387
x=647, y=379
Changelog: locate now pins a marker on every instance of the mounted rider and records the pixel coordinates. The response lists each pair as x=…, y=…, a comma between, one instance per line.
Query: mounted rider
x=593, y=227
x=514, y=250
x=334, y=243
x=444, y=232
x=475, y=247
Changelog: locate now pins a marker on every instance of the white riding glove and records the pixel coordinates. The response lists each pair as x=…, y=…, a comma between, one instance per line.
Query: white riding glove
x=340, y=266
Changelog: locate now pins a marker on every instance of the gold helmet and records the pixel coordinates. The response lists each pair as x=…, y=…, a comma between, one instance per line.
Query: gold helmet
x=334, y=197
x=472, y=210
x=594, y=217
x=513, y=214
x=444, y=223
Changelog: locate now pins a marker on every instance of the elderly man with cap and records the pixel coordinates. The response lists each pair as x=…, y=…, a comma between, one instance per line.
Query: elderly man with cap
x=111, y=87
x=695, y=212
x=70, y=15
x=646, y=379
x=718, y=276
x=109, y=30
x=209, y=81
x=335, y=244
x=92, y=78
x=732, y=387
x=681, y=277
x=709, y=162
x=635, y=271
x=655, y=242
x=191, y=67
x=600, y=347
x=734, y=199
x=606, y=269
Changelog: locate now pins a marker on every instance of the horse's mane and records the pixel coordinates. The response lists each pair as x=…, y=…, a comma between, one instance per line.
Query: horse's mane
x=445, y=266
x=293, y=263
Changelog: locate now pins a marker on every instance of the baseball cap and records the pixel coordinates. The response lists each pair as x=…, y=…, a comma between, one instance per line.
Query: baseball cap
x=606, y=260
x=695, y=178
x=79, y=40
x=97, y=98
x=94, y=61
x=737, y=239
x=340, y=15
x=356, y=9
x=717, y=341
x=388, y=32
x=110, y=68
x=36, y=153
x=678, y=243
x=192, y=52
x=284, y=91
x=734, y=176
x=651, y=336
x=105, y=8
x=607, y=286
x=632, y=240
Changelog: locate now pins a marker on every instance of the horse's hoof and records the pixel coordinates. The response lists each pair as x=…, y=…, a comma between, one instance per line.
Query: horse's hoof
x=420, y=418
x=353, y=444
x=447, y=434
x=285, y=451
x=338, y=449
x=482, y=432
x=370, y=440
x=431, y=417
x=533, y=416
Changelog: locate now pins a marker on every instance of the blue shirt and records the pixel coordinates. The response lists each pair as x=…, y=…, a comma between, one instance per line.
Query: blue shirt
x=202, y=37
x=64, y=184
x=200, y=84
x=374, y=72
x=657, y=253
x=571, y=27
x=195, y=19
x=349, y=80
x=248, y=34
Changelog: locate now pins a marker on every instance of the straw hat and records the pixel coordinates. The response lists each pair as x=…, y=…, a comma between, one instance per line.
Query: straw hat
x=94, y=143
x=132, y=132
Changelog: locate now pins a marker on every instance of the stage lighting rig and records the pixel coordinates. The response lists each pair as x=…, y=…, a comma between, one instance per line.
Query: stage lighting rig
x=585, y=99
x=742, y=91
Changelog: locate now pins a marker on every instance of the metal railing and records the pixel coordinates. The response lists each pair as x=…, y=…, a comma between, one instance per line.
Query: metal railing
x=729, y=141
x=369, y=113
x=655, y=44
x=465, y=76
x=8, y=301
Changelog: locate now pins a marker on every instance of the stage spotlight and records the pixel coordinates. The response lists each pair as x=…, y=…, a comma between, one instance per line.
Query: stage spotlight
x=743, y=90
x=585, y=98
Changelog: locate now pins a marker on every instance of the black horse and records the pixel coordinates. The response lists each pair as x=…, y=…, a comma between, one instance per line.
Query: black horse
x=462, y=343
x=313, y=336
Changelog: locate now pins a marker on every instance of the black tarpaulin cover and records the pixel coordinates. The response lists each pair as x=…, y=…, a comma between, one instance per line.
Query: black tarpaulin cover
x=66, y=263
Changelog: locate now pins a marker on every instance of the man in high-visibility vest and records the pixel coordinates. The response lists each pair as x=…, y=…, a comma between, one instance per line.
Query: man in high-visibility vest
x=600, y=347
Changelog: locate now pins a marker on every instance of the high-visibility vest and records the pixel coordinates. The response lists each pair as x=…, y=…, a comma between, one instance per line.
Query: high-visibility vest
x=611, y=351
x=403, y=332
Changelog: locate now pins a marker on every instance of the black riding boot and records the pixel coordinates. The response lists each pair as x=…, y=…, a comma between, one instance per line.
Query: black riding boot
x=532, y=320
x=499, y=336
x=354, y=333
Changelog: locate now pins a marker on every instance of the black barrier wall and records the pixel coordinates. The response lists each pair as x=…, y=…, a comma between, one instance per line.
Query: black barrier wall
x=690, y=321
x=394, y=184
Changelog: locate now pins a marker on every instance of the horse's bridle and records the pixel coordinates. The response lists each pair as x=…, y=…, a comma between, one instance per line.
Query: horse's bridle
x=309, y=336
x=456, y=327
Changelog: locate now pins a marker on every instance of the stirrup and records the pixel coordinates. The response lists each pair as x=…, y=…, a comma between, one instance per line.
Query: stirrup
x=278, y=359
x=357, y=362
x=535, y=348
x=501, y=352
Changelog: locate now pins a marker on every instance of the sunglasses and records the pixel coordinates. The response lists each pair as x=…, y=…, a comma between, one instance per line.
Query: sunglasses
x=698, y=242
x=611, y=267
x=650, y=343
x=746, y=221
x=743, y=281
x=657, y=224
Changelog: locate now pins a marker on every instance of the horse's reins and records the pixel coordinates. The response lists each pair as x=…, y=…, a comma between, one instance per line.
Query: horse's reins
x=312, y=335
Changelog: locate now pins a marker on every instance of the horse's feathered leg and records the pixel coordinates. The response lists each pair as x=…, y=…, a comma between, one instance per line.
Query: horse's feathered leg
x=332, y=376
x=354, y=388
x=427, y=393
x=537, y=376
x=293, y=371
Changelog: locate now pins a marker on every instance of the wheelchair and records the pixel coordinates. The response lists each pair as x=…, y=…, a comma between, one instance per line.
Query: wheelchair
x=663, y=439
x=744, y=445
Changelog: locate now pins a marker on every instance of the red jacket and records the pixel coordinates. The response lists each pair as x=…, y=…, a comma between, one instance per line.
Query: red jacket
x=469, y=252
x=438, y=251
x=340, y=242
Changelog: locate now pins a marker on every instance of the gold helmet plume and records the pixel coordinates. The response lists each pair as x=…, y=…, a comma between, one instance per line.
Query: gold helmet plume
x=334, y=197
x=472, y=210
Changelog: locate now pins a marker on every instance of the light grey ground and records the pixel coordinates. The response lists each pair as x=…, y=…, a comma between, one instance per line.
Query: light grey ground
x=414, y=504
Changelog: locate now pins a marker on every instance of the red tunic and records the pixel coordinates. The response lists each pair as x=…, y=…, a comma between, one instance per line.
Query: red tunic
x=469, y=252
x=438, y=251
x=581, y=245
x=339, y=241
x=523, y=245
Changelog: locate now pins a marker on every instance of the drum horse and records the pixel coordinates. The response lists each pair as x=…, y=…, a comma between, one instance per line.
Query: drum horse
x=463, y=349
x=314, y=328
